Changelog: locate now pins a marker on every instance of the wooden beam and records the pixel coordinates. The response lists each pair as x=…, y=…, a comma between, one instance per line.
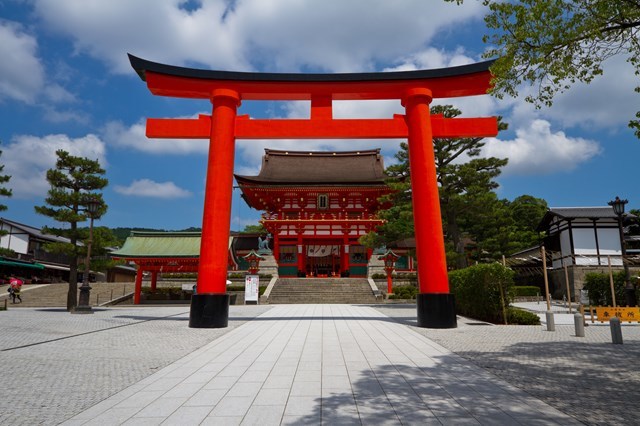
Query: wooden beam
x=320, y=128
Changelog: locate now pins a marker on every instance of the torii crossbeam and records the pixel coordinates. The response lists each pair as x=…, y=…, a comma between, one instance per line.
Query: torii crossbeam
x=226, y=90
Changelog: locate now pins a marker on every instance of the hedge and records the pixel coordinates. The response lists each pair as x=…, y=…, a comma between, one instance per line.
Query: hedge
x=477, y=290
x=404, y=292
x=599, y=288
x=526, y=290
x=522, y=317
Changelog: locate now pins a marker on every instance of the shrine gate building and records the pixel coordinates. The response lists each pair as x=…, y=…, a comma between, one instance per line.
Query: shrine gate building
x=317, y=205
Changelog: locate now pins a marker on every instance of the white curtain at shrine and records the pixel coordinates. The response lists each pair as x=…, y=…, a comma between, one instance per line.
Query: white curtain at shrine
x=322, y=250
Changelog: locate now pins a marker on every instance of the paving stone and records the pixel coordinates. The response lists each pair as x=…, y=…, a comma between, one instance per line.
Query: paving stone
x=309, y=364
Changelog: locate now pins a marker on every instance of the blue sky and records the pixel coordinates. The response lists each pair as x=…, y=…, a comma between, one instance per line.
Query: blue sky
x=65, y=82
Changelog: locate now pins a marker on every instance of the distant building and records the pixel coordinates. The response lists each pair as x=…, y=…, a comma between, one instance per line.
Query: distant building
x=582, y=239
x=32, y=260
x=316, y=206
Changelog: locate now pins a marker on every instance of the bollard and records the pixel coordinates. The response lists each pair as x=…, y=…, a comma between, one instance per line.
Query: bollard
x=616, y=331
x=551, y=323
x=578, y=320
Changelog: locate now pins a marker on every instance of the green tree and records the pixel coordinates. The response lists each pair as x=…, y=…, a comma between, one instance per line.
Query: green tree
x=465, y=189
x=552, y=44
x=504, y=227
x=73, y=183
x=254, y=229
x=4, y=192
x=104, y=240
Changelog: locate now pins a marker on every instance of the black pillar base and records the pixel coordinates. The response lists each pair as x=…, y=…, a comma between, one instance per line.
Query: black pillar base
x=209, y=311
x=436, y=310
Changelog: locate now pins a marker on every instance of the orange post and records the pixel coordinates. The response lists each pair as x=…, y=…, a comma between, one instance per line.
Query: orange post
x=212, y=271
x=432, y=263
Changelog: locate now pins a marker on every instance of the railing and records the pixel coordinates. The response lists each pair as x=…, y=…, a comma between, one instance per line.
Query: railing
x=319, y=216
x=44, y=256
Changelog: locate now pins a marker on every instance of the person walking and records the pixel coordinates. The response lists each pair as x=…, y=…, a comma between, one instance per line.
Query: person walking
x=15, y=285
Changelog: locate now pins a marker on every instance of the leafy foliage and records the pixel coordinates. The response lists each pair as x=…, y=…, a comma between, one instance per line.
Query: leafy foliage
x=404, y=292
x=517, y=316
x=477, y=290
x=4, y=192
x=74, y=182
x=599, y=287
x=254, y=229
x=471, y=211
x=552, y=44
x=526, y=291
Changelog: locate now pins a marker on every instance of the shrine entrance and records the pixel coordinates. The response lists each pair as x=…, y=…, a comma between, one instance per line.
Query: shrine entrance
x=226, y=90
x=322, y=260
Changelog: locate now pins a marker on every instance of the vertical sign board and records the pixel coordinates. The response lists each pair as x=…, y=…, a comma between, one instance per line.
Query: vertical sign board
x=251, y=287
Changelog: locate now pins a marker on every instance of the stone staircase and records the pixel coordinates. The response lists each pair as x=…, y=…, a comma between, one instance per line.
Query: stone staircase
x=55, y=295
x=321, y=290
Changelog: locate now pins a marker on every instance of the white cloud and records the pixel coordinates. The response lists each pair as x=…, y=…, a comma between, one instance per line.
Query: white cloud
x=27, y=159
x=151, y=189
x=278, y=35
x=22, y=73
x=117, y=134
x=536, y=150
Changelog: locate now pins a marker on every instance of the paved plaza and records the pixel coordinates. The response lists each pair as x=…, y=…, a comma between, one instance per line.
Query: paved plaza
x=309, y=364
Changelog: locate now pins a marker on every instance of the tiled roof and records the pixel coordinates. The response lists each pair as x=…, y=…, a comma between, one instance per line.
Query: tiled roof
x=583, y=212
x=35, y=232
x=160, y=244
x=305, y=167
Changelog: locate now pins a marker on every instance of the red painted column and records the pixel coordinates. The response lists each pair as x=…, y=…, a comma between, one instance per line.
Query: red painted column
x=432, y=262
x=299, y=249
x=138, y=287
x=345, y=255
x=154, y=281
x=212, y=271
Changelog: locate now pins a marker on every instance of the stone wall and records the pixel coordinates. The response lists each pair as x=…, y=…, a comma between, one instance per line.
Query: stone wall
x=557, y=281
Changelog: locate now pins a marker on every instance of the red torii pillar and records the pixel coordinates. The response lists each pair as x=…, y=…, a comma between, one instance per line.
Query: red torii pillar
x=434, y=302
x=416, y=89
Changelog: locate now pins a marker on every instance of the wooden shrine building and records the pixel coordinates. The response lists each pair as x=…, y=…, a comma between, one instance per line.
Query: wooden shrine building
x=316, y=205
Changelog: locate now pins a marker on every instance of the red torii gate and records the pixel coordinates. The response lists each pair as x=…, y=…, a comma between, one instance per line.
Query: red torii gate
x=226, y=90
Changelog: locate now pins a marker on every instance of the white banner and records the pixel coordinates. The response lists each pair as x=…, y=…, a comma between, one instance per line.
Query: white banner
x=251, y=288
x=322, y=251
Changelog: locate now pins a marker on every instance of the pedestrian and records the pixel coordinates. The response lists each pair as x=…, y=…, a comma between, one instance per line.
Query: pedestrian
x=15, y=285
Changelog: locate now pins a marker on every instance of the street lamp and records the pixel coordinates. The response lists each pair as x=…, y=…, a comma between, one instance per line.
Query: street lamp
x=389, y=259
x=85, y=290
x=629, y=289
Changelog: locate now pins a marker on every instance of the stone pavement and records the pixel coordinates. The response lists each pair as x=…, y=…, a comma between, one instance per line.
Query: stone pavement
x=56, y=364
x=588, y=377
x=308, y=364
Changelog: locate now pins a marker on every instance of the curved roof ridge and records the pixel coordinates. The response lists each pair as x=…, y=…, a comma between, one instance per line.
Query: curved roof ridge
x=141, y=66
x=374, y=151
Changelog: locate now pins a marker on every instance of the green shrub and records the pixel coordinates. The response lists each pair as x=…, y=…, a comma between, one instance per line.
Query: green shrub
x=477, y=290
x=404, y=292
x=599, y=288
x=525, y=291
x=517, y=316
x=162, y=290
x=410, y=276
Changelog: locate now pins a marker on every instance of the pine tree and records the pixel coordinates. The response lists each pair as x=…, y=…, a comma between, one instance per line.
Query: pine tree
x=4, y=192
x=73, y=183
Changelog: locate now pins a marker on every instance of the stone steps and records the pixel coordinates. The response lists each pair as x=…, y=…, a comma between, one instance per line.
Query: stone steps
x=55, y=295
x=321, y=290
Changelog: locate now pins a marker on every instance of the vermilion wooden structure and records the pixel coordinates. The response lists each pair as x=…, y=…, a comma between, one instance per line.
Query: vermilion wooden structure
x=226, y=90
x=317, y=205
